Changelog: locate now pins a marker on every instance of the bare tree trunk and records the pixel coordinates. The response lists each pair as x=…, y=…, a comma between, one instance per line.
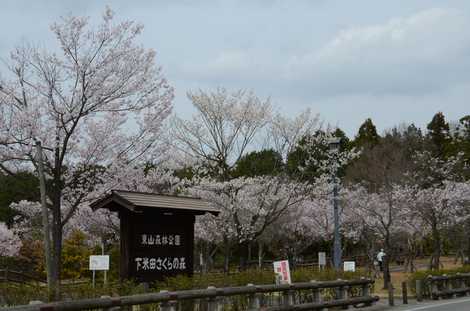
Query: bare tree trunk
x=436, y=254
x=386, y=261
x=226, y=256
x=260, y=255
x=45, y=218
x=249, y=251
x=57, y=251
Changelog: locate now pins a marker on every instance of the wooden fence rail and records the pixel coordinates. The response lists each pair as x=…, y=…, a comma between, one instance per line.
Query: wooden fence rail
x=298, y=296
x=445, y=286
x=7, y=275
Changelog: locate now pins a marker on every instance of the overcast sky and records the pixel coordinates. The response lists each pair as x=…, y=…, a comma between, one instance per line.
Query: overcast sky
x=393, y=61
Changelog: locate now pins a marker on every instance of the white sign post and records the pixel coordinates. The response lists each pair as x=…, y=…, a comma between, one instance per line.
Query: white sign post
x=282, y=272
x=100, y=263
x=321, y=260
x=349, y=266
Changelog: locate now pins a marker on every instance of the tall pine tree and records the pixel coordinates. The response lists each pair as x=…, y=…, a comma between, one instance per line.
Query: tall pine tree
x=367, y=135
x=438, y=136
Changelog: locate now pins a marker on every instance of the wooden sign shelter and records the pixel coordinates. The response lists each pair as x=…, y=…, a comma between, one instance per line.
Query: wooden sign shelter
x=157, y=232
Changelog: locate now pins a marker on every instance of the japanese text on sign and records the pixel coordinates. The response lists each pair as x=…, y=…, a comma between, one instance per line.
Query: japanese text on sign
x=282, y=271
x=160, y=239
x=160, y=264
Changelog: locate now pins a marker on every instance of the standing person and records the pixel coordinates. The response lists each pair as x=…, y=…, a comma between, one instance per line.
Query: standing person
x=380, y=259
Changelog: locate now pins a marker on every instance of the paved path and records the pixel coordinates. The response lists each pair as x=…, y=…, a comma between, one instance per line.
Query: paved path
x=458, y=304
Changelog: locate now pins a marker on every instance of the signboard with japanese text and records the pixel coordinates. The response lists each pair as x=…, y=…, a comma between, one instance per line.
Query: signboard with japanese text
x=160, y=246
x=282, y=271
x=99, y=262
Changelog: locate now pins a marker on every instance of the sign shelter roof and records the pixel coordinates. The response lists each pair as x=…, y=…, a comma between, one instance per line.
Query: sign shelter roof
x=139, y=202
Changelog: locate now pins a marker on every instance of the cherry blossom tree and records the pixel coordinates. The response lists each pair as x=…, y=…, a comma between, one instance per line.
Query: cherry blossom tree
x=284, y=133
x=10, y=243
x=97, y=106
x=248, y=206
x=383, y=213
x=441, y=207
x=222, y=129
x=441, y=195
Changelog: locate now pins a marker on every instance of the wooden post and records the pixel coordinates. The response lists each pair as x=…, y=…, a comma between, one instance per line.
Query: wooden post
x=214, y=303
x=116, y=308
x=317, y=298
x=345, y=295
x=167, y=305
x=458, y=283
x=366, y=291
x=391, y=300
x=404, y=292
x=419, y=290
x=434, y=288
x=254, y=302
x=289, y=298
x=446, y=285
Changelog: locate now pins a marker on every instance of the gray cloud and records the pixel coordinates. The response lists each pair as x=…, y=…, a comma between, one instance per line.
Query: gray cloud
x=393, y=61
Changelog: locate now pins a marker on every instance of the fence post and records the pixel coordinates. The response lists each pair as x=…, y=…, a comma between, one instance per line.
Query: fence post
x=317, y=298
x=458, y=282
x=345, y=295
x=366, y=291
x=167, y=305
x=116, y=308
x=214, y=303
x=288, y=298
x=404, y=292
x=391, y=299
x=419, y=290
x=434, y=288
x=254, y=302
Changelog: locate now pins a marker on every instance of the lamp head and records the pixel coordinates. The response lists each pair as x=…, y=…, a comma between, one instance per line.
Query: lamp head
x=334, y=144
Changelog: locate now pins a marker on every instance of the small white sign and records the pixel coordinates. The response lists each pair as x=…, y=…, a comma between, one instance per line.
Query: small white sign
x=322, y=259
x=99, y=262
x=349, y=266
x=282, y=271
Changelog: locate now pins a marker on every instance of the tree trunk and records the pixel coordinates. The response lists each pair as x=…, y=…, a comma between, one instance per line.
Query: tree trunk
x=260, y=255
x=386, y=261
x=243, y=249
x=45, y=219
x=226, y=256
x=56, y=256
x=249, y=250
x=436, y=254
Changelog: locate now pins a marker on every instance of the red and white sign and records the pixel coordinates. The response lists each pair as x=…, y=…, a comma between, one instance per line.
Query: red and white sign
x=282, y=271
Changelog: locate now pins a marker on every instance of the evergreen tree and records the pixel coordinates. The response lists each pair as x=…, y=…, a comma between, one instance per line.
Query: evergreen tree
x=259, y=163
x=438, y=136
x=304, y=151
x=14, y=188
x=367, y=135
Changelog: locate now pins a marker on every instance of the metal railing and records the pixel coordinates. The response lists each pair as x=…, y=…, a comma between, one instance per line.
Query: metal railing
x=298, y=296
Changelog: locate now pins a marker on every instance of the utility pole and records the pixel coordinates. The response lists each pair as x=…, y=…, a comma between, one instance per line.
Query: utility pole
x=45, y=215
x=334, y=147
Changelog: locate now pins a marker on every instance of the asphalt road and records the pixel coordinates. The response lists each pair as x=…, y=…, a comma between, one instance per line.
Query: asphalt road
x=459, y=304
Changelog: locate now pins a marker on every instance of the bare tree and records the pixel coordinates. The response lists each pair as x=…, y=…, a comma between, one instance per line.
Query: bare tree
x=224, y=126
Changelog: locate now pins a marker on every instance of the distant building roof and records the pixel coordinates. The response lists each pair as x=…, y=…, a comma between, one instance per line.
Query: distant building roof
x=139, y=201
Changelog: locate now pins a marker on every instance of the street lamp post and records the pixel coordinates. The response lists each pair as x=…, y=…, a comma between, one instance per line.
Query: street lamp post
x=334, y=147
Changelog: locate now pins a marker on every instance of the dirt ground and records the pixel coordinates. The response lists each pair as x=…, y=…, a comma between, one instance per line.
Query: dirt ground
x=399, y=277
